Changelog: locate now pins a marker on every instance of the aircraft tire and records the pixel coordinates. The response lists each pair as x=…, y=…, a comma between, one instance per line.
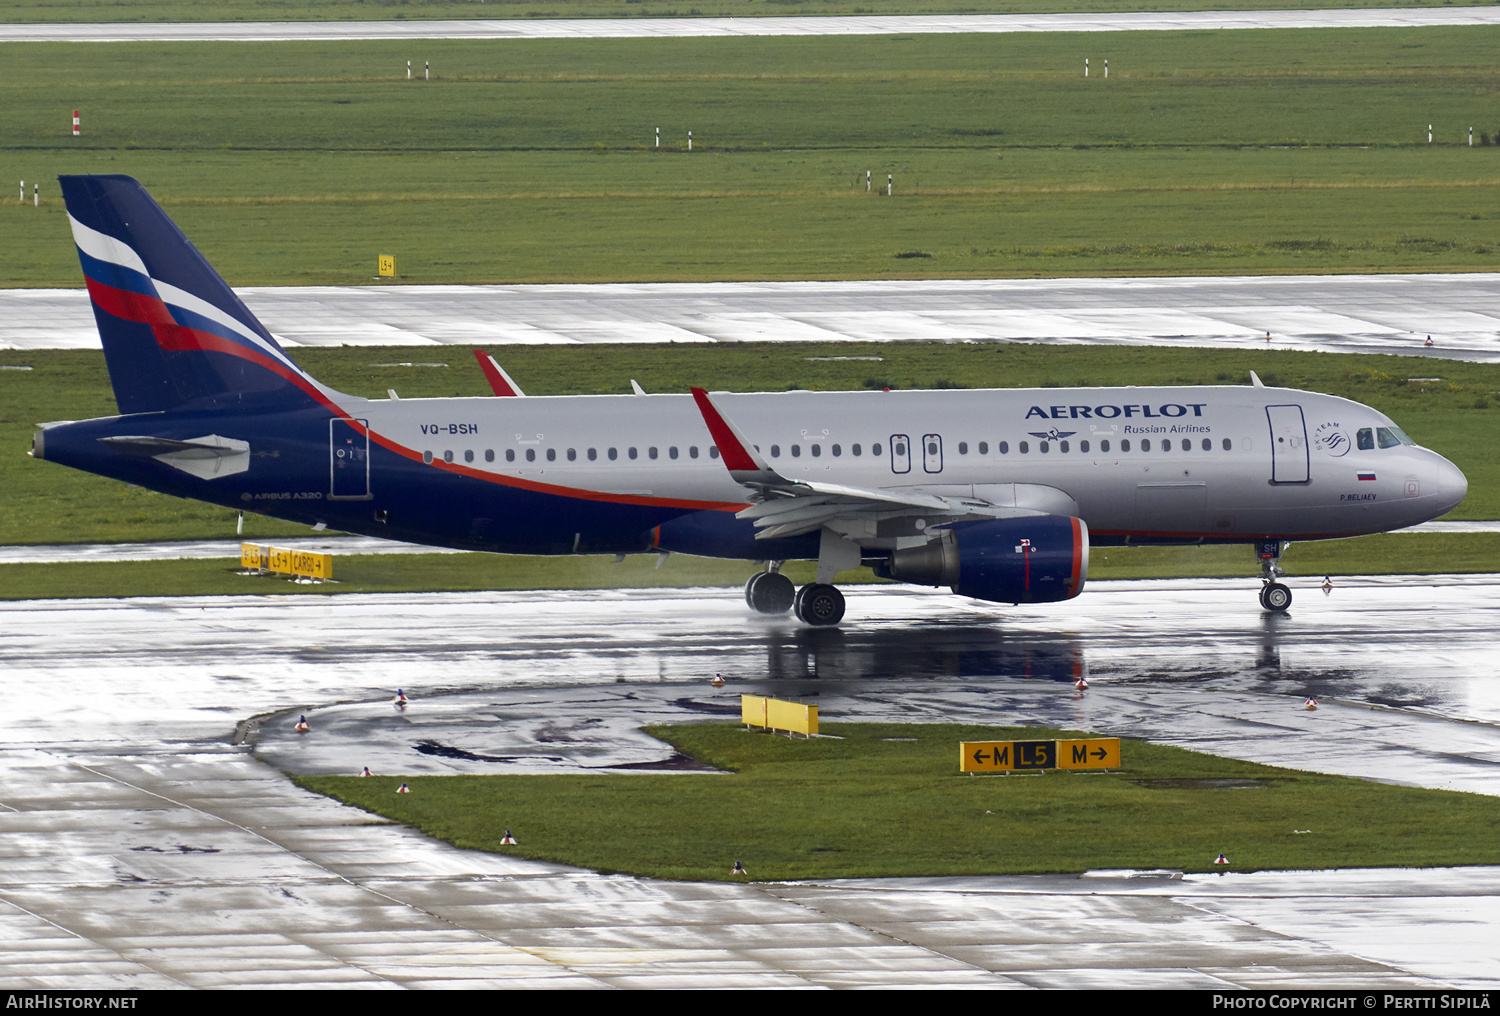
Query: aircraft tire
x=1275, y=597
x=770, y=593
x=819, y=605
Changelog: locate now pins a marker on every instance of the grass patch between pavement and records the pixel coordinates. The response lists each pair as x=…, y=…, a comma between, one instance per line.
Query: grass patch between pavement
x=866, y=805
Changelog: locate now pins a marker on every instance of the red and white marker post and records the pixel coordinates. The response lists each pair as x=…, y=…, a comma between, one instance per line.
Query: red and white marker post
x=77, y=130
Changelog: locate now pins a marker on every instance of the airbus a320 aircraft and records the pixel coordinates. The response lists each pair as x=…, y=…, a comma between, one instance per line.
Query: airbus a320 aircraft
x=995, y=494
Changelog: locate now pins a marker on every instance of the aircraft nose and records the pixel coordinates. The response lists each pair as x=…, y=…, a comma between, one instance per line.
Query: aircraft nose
x=1452, y=486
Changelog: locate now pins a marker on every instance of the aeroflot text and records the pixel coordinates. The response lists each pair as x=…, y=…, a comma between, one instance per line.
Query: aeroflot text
x=1351, y=1002
x=1169, y=410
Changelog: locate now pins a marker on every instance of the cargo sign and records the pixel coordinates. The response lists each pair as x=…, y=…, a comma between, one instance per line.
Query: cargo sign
x=1034, y=756
x=298, y=563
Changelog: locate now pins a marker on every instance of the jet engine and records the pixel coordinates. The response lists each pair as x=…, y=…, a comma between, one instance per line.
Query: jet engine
x=1037, y=559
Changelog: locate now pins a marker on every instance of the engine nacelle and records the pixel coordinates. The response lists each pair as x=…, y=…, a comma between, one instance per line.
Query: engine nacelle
x=1039, y=559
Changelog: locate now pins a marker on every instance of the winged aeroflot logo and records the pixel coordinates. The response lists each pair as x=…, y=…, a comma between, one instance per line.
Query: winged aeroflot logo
x=1053, y=435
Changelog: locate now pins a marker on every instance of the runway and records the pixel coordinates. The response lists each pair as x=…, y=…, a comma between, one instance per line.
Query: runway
x=143, y=849
x=1333, y=313
x=636, y=28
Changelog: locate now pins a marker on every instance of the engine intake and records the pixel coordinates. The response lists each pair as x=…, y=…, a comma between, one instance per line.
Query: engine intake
x=1039, y=559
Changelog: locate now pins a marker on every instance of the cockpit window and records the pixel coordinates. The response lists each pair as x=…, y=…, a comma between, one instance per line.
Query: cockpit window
x=1387, y=437
x=1401, y=435
x=1365, y=439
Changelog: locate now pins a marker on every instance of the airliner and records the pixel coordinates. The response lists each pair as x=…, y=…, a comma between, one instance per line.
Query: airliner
x=998, y=495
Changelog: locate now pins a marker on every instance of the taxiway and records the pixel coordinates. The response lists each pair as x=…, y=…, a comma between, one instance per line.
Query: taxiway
x=1344, y=313
x=143, y=849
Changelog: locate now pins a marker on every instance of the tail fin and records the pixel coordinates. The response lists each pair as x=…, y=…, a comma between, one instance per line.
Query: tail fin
x=174, y=333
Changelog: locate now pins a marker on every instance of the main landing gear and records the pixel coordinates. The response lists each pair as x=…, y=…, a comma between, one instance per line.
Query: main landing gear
x=1274, y=596
x=817, y=603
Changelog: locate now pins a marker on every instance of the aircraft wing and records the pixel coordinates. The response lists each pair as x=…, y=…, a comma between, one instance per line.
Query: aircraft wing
x=787, y=507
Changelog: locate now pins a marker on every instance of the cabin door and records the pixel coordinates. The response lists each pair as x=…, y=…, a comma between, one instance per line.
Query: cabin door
x=1289, y=451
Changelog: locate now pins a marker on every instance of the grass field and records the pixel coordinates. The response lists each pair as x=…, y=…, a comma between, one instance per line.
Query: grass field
x=1243, y=151
x=886, y=800
x=377, y=10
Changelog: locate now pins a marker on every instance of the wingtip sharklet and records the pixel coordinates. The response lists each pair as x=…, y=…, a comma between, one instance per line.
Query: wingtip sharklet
x=738, y=454
x=500, y=382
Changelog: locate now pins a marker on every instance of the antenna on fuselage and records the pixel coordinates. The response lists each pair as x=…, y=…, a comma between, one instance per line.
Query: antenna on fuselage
x=635, y=387
x=1255, y=380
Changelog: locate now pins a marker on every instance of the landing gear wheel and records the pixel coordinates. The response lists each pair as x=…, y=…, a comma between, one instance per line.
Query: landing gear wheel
x=819, y=605
x=1275, y=597
x=769, y=593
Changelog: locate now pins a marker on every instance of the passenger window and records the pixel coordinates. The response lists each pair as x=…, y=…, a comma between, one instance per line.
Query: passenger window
x=1024, y=447
x=551, y=454
x=900, y=448
x=963, y=448
x=531, y=455
x=468, y=455
x=1227, y=445
x=489, y=455
x=713, y=452
x=1187, y=444
x=1365, y=439
x=1125, y=445
x=837, y=451
x=1104, y=445
x=1083, y=446
x=651, y=453
x=816, y=450
x=1062, y=446
x=672, y=452
x=1003, y=447
x=692, y=451
x=874, y=448
x=613, y=454
x=776, y=451
x=1208, y=444
x=593, y=454
x=427, y=457
x=1041, y=446
x=984, y=448
x=1145, y=444
x=447, y=456
x=796, y=451
x=855, y=450
x=510, y=455
x=572, y=454
x=631, y=452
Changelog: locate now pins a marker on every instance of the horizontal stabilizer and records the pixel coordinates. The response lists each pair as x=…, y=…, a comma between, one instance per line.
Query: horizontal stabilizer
x=206, y=457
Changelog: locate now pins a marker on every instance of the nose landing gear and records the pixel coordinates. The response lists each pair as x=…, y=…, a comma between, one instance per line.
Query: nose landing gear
x=1274, y=596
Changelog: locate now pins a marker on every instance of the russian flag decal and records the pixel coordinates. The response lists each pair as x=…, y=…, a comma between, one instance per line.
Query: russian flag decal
x=1366, y=476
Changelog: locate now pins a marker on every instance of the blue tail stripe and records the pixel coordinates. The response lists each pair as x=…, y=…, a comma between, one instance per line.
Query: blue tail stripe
x=115, y=275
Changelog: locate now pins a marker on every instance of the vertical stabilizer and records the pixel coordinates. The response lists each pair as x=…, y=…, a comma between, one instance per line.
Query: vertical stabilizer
x=173, y=331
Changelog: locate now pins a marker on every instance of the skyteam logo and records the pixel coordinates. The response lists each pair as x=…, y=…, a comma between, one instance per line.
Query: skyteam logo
x=1331, y=438
x=1052, y=435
